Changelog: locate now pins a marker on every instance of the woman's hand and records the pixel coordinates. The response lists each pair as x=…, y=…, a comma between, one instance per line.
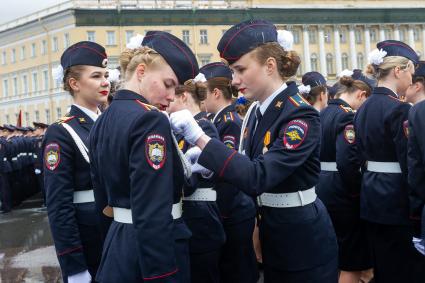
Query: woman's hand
x=183, y=123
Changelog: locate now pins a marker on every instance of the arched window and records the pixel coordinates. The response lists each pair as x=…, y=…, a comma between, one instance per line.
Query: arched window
x=344, y=61
x=313, y=60
x=360, y=61
x=330, y=64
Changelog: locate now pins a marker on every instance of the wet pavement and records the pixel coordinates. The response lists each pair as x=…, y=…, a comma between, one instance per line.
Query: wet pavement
x=26, y=247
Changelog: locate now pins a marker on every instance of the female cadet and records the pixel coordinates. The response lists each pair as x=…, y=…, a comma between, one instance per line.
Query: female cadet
x=238, y=261
x=137, y=167
x=340, y=179
x=281, y=164
x=314, y=90
x=200, y=211
x=381, y=136
x=69, y=191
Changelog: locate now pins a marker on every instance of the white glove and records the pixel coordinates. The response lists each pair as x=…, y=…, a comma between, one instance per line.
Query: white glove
x=82, y=277
x=183, y=123
x=37, y=171
x=419, y=245
x=192, y=154
x=198, y=168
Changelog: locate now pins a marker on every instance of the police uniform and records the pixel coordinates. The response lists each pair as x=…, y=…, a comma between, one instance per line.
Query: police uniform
x=416, y=161
x=69, y=190
x=138, y=175
x=281, y=165
x=202, y=216
x=38, y=159
x=5, y=198
x=381, y=133
x=238, y=261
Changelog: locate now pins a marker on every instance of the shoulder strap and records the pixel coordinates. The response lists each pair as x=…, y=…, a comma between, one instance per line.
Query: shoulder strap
x=244, y=125
x=80, y=144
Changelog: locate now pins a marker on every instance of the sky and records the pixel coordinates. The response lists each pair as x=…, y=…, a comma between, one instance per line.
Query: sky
x=12, y=9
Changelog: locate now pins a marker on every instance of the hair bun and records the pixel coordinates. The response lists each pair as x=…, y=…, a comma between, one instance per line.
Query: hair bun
x=346, y=81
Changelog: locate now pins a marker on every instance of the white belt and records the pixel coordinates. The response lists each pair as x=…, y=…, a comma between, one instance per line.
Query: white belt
x=30, y=154
x=35, y=156
x=383, y=167
x=14, y=158
x=4, y=159
x=123, y=215
x=296, y=199
x=24, y=154
x=328, y=166
x=83, y=196
x=205, y=194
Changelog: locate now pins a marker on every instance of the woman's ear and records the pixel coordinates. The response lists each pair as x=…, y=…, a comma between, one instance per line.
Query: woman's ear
x=74, y=84
x=140, y=71
x=216, y=93
x=271, y=65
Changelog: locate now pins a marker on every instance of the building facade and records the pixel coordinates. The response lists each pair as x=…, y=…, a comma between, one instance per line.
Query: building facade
x=329, y=36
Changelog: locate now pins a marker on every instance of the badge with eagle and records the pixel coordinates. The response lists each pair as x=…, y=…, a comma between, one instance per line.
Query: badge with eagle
x=155, y=151
x=52, y=156
x=294, y=134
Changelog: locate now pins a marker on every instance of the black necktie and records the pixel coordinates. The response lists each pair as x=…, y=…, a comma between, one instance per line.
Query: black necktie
x=258, y=115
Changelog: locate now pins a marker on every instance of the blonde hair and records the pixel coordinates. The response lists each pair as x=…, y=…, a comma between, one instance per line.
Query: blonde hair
x=382, y=70
x=131, y=58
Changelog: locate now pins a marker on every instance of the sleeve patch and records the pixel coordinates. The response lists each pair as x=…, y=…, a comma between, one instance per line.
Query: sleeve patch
x=350, y=134
x=295, y=134
x=229, y=141
x=406, y=128
x=52, y=156
x=155, y=151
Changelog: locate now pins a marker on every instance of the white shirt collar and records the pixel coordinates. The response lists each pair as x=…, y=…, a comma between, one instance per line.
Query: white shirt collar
x=263, y=106
x=88, y=112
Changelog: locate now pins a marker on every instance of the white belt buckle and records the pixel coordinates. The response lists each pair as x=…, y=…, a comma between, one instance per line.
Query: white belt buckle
x=177, y=210
x=83, y=196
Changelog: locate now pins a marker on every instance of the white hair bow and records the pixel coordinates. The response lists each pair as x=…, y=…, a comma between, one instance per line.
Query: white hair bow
x=200, y=78
x=57, y=73
x=285, y=39
x=376, y=57
x=345, y=73
x=114, y=75
x=135, y=41
x=304, y=88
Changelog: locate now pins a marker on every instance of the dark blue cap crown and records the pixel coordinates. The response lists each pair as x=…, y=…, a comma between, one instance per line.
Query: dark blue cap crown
x=313, y=79
x=358, y=75
x=398, y=48
x=244, y=37
x=84, y=53
x=216, y=69
x=175, y=52
x=420, y=70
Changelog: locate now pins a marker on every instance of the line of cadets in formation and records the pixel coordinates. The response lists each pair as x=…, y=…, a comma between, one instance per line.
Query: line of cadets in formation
x=137, y=194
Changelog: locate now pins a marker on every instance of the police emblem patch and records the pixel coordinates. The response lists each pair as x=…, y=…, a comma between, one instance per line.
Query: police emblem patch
x=155, y=151
x=349, y=134
x=52, y=156
x=229, y=141
x=294, y=134
x=406, y=128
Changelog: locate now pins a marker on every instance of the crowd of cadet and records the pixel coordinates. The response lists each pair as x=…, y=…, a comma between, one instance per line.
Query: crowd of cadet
x=210, y=174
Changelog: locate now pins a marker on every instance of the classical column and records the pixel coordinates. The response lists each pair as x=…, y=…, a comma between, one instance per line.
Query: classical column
x=411, y=37
x=381, y=33
x=423, y=39
x=306, y=43
x=367, y=39
x=337, y=48
x=323, y=70
x=353, y=53
x=396, y=32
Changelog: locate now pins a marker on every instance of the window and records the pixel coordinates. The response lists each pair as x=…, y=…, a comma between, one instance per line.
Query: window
x=313, y=60
x=186, y=36
x=373, y=35
x=34, y=82
x=343, y=35
x=91, y=36
x=344, y=61
x=388, y=33
x=27, y=118
x=128, y=35
x=358, y=35
x=43, y=47
x=55, y=46
x=3, y=58
x=47, y=112
x=37, y=116
x=13, y=56
x=204, y=36
x=417, y=34
x=110, y=38
x=360, y=61
x=33, y=50
x=312, y=36
x=5, y=88
x=296, y=34
x=403, y=34
x=15, y=86
x=7, y=118
x=58, y=112
x=45, y=80
x=25, y=84
x=66, y=41
x=329, y=63
x=204, y=59
x=328, y=35
x=23, y=55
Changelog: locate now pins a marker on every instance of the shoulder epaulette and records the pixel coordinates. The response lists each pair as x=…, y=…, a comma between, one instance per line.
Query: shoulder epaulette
x=298, y=100
x=229, y=116
x=64, y=119
x=146, y=106
x=346, y=109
